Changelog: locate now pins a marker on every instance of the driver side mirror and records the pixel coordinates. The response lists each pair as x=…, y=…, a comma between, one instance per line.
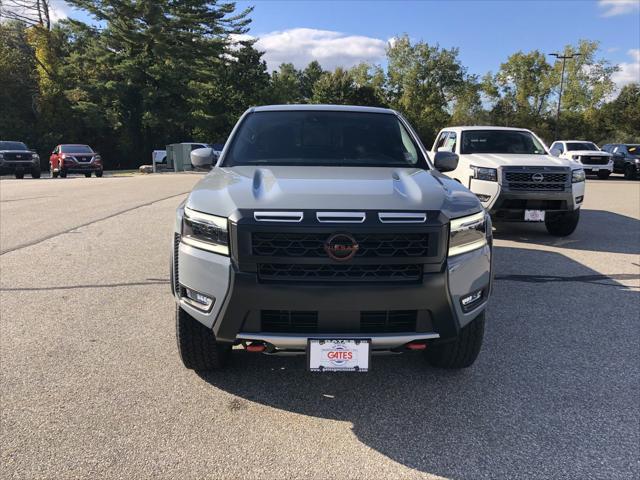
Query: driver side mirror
x=555, y=152
x=445, y=161
x=203, y=158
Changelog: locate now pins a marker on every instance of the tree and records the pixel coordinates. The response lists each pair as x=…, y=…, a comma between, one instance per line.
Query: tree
x=422, y=82
x=155, y=56
x=308, y=79
x=285, y=85
x=28, y=12
x=19, y=84
x=520, y=90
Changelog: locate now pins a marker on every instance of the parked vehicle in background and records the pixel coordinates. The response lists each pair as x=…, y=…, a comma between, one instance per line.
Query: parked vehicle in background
x=326, y=231
x=178, y=155
x=515, y=177
x=594, y=161
x=159, y=160
x=74, y=158
x=17, y=158
x=626, y=158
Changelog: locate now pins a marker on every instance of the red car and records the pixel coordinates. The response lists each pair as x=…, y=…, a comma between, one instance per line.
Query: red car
x=69, y=158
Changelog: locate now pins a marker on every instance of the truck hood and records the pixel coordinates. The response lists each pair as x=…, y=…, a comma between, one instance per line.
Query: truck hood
x=517, y=160
x=225, y=190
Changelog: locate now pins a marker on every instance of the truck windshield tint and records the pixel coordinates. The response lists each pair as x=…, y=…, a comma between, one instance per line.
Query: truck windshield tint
x=575, y=146
x=75, y=149
x=500, y=141
x=13, y=146
x=323, y=138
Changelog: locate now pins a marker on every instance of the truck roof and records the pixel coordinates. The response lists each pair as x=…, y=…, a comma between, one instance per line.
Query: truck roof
x=485, y=127
x=332, y=108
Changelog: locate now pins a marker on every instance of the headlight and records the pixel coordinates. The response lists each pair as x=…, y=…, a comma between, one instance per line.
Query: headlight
x=577, y=176
x=205, y=231
x=488, y=174
x=468, y=233
x=575, y=157
x=1, y=156
x=97, y=158
x=35, y=156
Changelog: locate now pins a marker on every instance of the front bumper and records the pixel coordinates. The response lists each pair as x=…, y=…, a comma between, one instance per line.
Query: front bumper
x=594, y=169
x=19, y=165
x=240, y=297
x=81, y=167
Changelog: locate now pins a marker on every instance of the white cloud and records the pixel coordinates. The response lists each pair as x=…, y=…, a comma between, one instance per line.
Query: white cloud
x=629, y=72
x=618, y=7
x=58, y=10
x=331, y=49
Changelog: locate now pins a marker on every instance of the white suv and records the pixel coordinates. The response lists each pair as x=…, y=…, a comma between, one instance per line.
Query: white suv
x=515, y=177
x=594, y=161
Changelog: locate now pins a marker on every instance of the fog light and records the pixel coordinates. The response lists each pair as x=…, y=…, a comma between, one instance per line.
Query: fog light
x=483, y=198
x=579, y=199
x=470, y=301
x=197, y=299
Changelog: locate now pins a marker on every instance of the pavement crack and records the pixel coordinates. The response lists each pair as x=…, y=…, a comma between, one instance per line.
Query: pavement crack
x=593, y=279
x=154, y=281
x=69, y=230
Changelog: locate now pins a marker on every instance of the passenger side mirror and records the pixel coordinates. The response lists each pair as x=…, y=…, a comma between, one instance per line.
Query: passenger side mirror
x=203, y=158
x=445, y=161
x=555, y=152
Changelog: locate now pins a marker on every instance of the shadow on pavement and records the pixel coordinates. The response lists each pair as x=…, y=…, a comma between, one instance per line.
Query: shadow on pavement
x=598, y=231
x=553, y=393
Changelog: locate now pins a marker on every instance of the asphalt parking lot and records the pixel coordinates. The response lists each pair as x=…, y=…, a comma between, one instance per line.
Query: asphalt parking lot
x=91, y=382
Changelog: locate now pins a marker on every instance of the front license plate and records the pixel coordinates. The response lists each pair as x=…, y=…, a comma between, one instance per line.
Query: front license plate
x=338, y=355
x=534, y=215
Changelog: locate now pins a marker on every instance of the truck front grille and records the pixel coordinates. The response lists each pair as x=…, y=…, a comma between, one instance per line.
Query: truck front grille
x=311, y=245
x=382, y=321
x=289, y=321
x=388, y=321
x=594, y=160
x=339, y=273
x=536, y=180
x=176, y=248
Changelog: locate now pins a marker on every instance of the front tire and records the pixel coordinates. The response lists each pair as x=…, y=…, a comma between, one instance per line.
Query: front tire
x=630, y=172
x=19, y=175
x=603, y=174
x=562, y=224
x=98, y=173
x=88, y=174
x=197, y=344
x=463, y=351
x=63, y=173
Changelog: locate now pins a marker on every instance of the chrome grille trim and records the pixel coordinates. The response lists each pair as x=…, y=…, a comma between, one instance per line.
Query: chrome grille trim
x=341, y=217
x=291, y=217
x=402, y=217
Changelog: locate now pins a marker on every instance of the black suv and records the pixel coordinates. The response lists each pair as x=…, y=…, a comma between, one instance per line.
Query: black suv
x=626, y=158
x=16, y=158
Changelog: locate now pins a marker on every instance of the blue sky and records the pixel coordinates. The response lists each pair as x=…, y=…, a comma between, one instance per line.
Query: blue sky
x=486, y=32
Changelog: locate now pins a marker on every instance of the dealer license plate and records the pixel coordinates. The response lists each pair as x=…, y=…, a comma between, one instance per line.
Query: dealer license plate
x=338, y=355
x=534, y=215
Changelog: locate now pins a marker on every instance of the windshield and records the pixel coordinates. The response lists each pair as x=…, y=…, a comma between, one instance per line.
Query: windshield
x=13, y=146
x=323, y=138
x=634, y=150
x=75, y=149
x=500, y=141
x=575, y=146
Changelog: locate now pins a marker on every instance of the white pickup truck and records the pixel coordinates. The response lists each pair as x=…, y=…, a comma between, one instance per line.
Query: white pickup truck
x=515, y=177
x=594, y=161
